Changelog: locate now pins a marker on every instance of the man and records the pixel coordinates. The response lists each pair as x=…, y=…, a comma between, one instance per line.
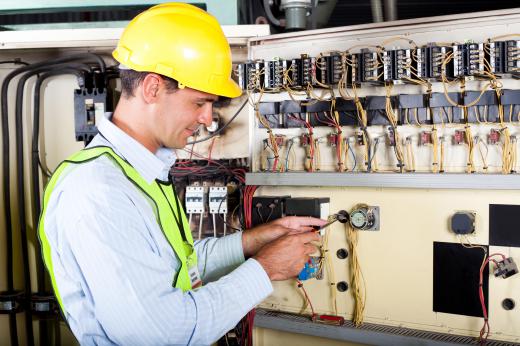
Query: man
x=118, y=247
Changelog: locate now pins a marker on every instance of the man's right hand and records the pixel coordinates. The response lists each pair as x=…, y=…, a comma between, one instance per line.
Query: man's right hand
x=285, y=257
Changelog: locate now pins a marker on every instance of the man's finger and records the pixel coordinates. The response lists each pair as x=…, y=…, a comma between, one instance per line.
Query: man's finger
x=308, y=237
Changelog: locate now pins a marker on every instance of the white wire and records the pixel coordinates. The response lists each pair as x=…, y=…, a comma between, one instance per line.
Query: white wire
x=214, y=226
x=200, y=226
x=225, y=225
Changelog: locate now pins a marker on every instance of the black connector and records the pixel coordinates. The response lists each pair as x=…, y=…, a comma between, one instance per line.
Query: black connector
x=506, y=268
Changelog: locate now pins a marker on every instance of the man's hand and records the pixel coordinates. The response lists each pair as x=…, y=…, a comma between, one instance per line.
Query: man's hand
x=285, y=257
x=255, y=238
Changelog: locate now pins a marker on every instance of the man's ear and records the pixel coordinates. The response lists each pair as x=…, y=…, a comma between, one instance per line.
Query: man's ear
x=150, y=87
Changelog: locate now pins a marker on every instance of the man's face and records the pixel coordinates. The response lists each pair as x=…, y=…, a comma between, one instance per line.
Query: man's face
x=179, y=115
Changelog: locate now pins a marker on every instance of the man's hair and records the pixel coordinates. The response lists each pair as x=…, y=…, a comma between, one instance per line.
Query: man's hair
x=131, y=79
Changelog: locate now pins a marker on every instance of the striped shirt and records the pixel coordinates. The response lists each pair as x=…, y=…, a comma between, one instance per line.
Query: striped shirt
x=114, y=267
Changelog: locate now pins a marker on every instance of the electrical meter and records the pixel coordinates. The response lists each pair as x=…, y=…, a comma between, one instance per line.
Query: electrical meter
x=365, y=218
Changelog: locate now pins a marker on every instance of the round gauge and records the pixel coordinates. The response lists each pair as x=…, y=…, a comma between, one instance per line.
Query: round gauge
x=358, y=219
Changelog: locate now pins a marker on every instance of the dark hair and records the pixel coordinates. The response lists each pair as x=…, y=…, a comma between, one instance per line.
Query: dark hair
x=131, y=79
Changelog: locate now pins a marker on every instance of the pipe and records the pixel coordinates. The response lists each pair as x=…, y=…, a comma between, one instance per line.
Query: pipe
x=390, y=10
x=377, y=11
x=269, y=14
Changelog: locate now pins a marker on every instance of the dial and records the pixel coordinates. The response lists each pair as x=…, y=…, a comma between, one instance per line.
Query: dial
x=358, y=219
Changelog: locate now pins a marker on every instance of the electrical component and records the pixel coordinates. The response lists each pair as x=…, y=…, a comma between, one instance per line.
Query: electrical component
x=218, y=199
x=390, y=137
x=463, y=222
x=493, y=137
x=397, y=65
x=305, y=140
x=307, y=206
x=355, y=62
x=372, y=67
x=90, y=106
x=430, y=62
x=267, y=208
x=250, y=76
x=425, y=138
x=329, y=319
x=459, y=137
x=308, y=71
x=360, y=138
x=312, y=269
x=365, y=218
x=332, y=139
x=294, y=73
x=274, y=74
x=468, y=59
x=504, y=57
x=195, y=200
x=506, y=268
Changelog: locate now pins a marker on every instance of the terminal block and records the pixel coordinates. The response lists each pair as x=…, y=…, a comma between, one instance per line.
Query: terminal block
x=468, y=59
x=354, y=68
x=506, y=268
x=504, y=57
x=372, y=67
x=195, y=200
x=430, y=62
x=250, y=75
x=294, y=73
x=218, y=199
x=308, y=71
x=329, y=69
x=274, y=74
x=397, y=65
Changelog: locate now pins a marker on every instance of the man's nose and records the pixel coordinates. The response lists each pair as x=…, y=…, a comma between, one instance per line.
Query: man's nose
x=206, y=116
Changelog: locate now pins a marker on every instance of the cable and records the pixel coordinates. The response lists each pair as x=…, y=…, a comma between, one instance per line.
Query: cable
x=35, y=177
x=219, y=130
x=6, y=162
x=356, y=276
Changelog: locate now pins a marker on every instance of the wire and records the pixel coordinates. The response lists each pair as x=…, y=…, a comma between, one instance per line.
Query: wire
x=219, y=130
x=356, y=276
x=307, y=299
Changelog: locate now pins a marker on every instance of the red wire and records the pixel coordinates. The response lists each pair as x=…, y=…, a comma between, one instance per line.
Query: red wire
x=484, y=332
x=300, y=285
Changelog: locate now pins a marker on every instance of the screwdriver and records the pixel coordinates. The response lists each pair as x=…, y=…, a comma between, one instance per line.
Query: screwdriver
x=341, y=216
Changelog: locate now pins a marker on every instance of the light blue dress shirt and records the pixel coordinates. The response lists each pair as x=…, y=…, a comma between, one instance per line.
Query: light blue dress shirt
x=114, y=268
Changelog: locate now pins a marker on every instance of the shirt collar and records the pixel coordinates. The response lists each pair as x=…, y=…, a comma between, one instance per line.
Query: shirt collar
x=150, y=166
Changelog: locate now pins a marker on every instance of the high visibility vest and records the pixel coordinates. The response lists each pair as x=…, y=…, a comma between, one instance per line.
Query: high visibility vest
x=163, y=199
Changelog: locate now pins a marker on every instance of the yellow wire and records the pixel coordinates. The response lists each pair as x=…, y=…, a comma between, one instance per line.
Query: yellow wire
x=357, y=281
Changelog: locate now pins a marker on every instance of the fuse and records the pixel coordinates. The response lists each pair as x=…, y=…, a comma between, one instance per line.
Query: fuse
x=493, y=137
x=333, y=139
x=459, y=137
x=305, y=140
x=425, y=138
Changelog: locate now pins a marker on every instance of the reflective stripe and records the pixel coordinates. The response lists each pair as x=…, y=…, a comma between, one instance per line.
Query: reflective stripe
x=165, y=202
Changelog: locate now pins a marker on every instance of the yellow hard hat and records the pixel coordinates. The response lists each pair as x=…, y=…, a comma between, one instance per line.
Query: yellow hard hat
x=182, y=42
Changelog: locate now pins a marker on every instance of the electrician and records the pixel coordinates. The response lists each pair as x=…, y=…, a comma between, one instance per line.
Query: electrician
x=115, y=240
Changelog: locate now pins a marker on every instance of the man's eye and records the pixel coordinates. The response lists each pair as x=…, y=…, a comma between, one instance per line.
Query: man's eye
x=200, y=104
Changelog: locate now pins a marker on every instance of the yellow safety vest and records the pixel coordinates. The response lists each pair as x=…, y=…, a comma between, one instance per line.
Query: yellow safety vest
x=164, y=200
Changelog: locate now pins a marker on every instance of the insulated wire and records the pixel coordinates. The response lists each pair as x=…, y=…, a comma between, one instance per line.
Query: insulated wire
x=356, y=277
